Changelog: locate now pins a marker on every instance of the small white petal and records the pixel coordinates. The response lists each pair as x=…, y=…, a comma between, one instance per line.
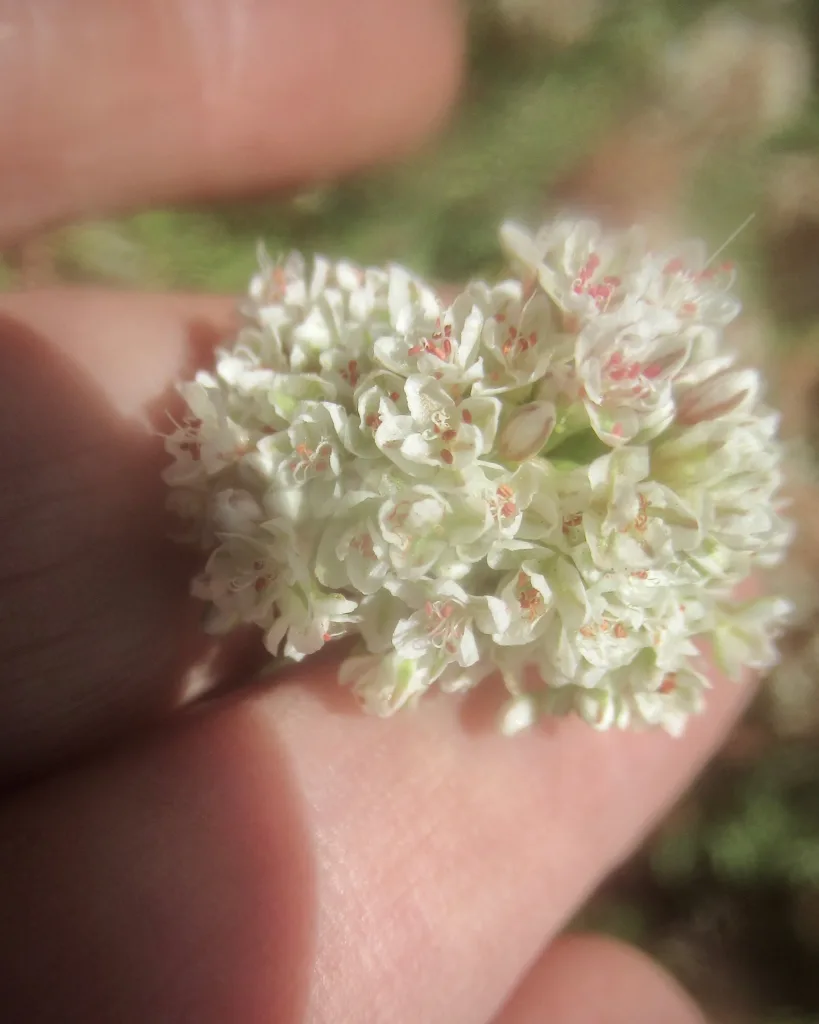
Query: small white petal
x=520, y=714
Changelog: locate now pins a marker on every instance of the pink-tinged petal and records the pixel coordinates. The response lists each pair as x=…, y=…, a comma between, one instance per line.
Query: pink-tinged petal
x=528, y=430
x=613, y=428
x=718, y=396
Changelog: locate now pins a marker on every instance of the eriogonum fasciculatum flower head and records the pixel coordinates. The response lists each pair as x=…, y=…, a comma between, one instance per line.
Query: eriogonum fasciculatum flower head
x=558, y=479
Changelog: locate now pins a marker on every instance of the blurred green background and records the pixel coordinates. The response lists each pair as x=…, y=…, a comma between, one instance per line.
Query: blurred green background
x=692, y=117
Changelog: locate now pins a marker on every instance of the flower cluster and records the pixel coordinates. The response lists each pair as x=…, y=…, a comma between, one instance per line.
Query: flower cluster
x=559, y=478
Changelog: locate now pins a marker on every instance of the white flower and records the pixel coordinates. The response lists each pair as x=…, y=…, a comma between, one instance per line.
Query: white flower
x=648, y=639
x=309, y=317
x=352, y=551
x=404, y=292
x=310, y=449
x=446, y=348
x=442, y=630
x=235, y=512
x=588, y=273
x=425, y=531
x=244, y=370
x=308, y=617
x=499, y=505
x=678, y=695
x=378, y=396
x=281, y=286
x=344, y=369
x=608, y=643
x=536, y=580
x=626, y=379
x=671, y=699
x=519, y=339
x=208, y=441
x=528, y=599
x=629, y=521
x=584, y=271
x=384, y=683
x=555, y=481
x=240, y=580
x=745, y=634
x=731, y=469
x=438, y=432
x=261, y=388
x=685, y=283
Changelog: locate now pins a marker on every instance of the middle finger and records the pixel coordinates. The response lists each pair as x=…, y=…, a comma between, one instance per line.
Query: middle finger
x=285, y=857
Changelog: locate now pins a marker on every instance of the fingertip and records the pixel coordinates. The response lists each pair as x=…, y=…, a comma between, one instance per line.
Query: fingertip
x=159, y=100
x=583, y=978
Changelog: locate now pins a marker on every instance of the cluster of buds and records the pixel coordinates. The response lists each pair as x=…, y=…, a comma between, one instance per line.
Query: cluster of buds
x=557, y=480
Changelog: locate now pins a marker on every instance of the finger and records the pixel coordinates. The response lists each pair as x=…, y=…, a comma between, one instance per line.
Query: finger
x=401, y=870
x=98, y=635
x=587, y=978
x=111, y=104
x=97, y=631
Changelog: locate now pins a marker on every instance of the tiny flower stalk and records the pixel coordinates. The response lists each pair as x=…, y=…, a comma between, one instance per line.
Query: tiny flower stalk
x=555, y=481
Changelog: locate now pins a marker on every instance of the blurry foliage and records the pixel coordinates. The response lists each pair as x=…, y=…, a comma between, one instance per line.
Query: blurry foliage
x=801, y=134
x=527, y=113
x=762, y=827
x=731, y=881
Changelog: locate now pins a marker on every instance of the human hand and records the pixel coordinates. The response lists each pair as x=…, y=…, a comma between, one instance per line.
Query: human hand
x=273, y=856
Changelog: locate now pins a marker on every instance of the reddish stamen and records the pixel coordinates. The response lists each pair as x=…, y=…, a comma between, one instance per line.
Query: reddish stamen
x=669, y=684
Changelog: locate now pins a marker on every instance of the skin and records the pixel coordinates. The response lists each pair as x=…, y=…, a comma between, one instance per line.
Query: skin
x=268, y=855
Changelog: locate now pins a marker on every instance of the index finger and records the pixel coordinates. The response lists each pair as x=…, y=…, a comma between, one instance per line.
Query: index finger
x=105, y=105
